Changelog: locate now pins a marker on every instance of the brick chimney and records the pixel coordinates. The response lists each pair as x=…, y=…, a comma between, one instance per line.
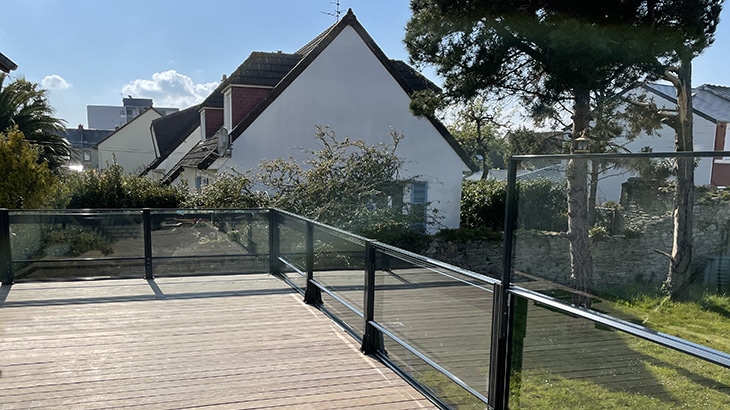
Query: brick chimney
x=239, y=100
x=211, y=120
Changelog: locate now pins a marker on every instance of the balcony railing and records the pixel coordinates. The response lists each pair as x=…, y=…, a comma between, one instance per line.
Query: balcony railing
x=463, y=338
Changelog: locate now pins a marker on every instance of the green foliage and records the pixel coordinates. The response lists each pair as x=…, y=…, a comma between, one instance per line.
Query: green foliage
x=25, y=183
x=483, y=204
x=523, y=141
x=112, y=188
x=598, y=233
x=78, y=241
x=25, y=107
x=470, y=234
x=228, y=191
x=346, y=183
x=477, y=131
x=531, y=48
x=542, y=205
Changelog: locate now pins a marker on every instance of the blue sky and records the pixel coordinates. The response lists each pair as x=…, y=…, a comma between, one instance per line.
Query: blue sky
x=93, y=52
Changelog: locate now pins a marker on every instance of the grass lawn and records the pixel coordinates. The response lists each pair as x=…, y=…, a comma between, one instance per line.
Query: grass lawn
x=655, y=377
x=570, y=363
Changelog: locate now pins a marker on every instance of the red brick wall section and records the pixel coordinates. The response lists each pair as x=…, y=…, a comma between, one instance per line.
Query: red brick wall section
x=213, y=121
x=720, y=171
x=244, y=99
x=720, y=174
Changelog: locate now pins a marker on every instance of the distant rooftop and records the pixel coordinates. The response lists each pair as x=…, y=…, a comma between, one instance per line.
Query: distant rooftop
x=6, y=64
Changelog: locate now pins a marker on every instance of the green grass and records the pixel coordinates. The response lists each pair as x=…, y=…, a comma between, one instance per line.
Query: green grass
x=673, y=380
x=705, y=321
x=654, y=377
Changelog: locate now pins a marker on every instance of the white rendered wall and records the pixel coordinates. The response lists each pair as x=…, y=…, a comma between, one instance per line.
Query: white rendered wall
x=347, y=88
x=609, y=188
x=131, y=145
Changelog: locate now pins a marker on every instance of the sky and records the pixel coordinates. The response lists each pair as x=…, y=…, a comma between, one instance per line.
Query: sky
x=95, y=52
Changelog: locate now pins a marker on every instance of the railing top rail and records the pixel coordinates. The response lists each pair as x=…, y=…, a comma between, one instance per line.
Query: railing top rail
x=686, y=154
x=395, y=251
x=433, y=262
x=340, y=232
x=135, y=210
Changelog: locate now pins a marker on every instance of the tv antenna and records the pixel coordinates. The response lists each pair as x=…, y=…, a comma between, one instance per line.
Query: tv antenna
x=336, y=13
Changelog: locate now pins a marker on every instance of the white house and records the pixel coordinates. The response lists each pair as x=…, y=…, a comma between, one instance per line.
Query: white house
x=269, y=107
x=130, y=146
x=173, y=136
x=711, y=104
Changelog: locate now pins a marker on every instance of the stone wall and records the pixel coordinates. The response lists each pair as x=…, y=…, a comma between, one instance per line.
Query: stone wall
x=618, y=260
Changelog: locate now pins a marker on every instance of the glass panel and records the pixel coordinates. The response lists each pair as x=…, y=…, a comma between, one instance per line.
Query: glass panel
x=347, y=316
x=439, y=385
x=439, y=313
x=209, y=241
x=68, y=244
x=292, y=248
x=339, y=264
x=567, y=362
x=623, y=245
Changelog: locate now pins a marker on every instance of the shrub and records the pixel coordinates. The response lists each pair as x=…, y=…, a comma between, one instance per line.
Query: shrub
x=112, y=188
x=25, y=183
x=228, y=191
x=542, y=205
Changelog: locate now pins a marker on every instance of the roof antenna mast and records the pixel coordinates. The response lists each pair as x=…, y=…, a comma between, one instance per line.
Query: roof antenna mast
x=336, y=13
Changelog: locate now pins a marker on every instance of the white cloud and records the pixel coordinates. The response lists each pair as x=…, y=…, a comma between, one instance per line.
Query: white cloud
x=54, y=82
x=169, y=89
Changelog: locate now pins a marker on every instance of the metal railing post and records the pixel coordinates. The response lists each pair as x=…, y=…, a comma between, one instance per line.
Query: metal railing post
x=6, y=263
x=147, y=228
x=372, y=340
x=499, y=369
x=274, y=265
x=312, y=295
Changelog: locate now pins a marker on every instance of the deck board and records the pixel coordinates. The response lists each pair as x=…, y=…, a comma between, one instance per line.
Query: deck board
x=220, y=342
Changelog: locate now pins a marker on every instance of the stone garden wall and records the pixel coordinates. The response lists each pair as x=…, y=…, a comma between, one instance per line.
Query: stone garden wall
x=618, y=260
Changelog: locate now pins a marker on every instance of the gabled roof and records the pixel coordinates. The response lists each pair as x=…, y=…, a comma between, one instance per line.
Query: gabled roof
x=125, y=125
x=279, y=70
x=201, y=156
x=407, y=78
x=259, y=69
x=711, y=102
x=7, y=65
x=170, y=131
x=83, y=138
x=717, y=90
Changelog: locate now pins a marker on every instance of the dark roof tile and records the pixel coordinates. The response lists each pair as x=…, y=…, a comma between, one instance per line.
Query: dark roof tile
x=260, y=68
x=171, y=130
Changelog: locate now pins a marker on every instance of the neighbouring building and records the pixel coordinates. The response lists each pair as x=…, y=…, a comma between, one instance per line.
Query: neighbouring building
x=106, y=117
x=6, y=65
x=129, y=146
x=711, y=105
x=83, y=146
x=270, y=105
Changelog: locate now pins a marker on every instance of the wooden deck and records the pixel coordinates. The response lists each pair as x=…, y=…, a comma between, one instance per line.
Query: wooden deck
x=205, y=342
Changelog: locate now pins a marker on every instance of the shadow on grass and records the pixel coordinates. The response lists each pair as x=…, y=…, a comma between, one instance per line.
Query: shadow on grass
x=568, y=358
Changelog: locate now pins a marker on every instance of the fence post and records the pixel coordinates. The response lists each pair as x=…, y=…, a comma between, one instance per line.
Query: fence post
x=274, y=266
x=6, y=263
x=312, y=295
x=500, y=361
x=147, y=229
x=372, y=340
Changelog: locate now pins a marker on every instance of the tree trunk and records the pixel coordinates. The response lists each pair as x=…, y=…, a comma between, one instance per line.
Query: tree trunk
x=581, y=260
x=681, y=256
x=485, y=164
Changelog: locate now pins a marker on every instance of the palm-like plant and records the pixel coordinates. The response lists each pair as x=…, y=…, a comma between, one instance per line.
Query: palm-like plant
x=24, y=105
